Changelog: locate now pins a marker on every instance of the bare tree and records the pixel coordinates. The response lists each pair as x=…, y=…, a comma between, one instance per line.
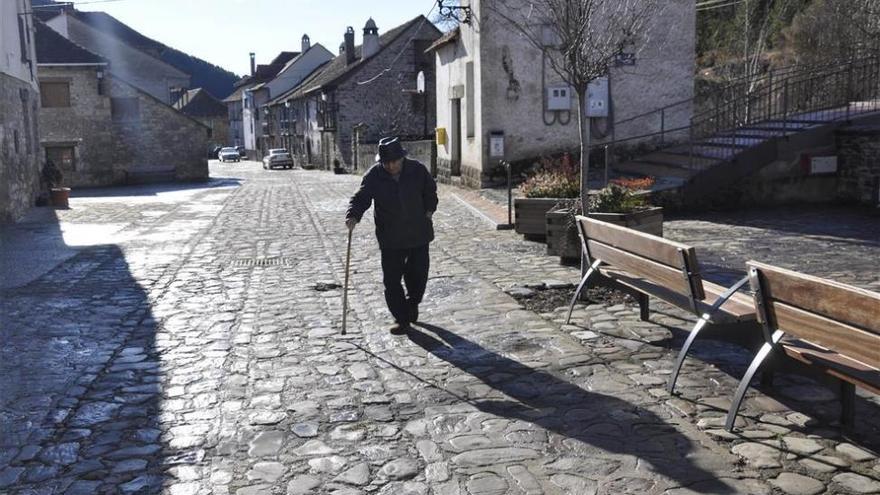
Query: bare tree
x=589, y=37
x=837, y=29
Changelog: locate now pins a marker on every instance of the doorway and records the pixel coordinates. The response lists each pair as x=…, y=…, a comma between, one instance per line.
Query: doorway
x=455, y=138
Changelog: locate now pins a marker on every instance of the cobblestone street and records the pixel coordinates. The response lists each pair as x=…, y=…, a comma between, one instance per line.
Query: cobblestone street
x=189, y=343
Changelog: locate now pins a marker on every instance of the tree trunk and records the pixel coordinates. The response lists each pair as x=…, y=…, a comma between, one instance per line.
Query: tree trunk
x=584, y=130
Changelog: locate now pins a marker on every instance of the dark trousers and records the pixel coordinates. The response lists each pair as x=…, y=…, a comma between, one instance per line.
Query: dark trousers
x=411, y=265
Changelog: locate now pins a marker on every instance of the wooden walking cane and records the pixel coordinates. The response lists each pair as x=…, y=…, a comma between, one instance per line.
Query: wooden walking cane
x=345, y=287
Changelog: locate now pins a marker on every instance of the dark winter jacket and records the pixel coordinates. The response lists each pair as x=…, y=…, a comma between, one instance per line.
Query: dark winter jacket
x=401, y=206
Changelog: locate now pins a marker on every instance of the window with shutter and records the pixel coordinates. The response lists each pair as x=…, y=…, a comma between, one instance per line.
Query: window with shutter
x=55, y=94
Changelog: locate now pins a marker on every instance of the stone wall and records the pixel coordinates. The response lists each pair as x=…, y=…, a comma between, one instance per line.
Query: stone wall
x=85, y=125
x=859, y=164
x=159, y=142
x=19, y=148
x=423, y=151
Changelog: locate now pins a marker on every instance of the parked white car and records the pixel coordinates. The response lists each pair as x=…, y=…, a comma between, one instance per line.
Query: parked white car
x=278, y=157
x=229, y=155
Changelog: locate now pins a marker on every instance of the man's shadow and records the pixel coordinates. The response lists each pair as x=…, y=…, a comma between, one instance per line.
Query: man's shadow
x=603, y=422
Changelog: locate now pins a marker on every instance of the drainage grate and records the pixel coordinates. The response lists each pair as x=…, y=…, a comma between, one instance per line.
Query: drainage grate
x=260, y=262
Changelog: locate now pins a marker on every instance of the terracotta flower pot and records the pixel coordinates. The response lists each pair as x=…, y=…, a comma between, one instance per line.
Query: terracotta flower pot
x=60, y=197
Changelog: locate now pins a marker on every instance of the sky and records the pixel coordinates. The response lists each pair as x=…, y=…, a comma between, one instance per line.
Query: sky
x=223, y=32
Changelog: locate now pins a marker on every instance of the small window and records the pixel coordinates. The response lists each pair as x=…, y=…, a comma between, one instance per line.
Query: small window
x=125, y=109
x=62, y=156
x=55, y=94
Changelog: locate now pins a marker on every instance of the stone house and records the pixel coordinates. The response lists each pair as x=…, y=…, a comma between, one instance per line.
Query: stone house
x=275, y=125
x=19, y=97
x=492, y=81
x=202, y=106
x=234, y=116
x=254, y=95
x=98, y=33
x=365, y=93
x=101, y=130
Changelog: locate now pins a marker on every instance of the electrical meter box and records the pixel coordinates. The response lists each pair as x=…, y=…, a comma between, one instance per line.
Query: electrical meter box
x=597, y=98
x=496, y=144
x=558, y=98
x=441, y=136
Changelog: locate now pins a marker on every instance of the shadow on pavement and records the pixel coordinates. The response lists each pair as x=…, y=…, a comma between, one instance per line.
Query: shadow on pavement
x=80, y=388
x=845, y=224
x=604, y=423
x=153, y=189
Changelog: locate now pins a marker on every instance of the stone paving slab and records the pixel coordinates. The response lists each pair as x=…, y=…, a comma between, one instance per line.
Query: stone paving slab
x=174, y=358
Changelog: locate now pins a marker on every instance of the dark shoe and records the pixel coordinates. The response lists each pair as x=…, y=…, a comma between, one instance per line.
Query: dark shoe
x=399, y=329
x=414, y=313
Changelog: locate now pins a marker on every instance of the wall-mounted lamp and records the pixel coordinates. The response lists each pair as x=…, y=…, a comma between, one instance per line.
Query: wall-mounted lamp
x=99, y=74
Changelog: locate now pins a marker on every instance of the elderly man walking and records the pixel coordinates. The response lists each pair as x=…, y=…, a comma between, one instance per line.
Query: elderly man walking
x=405, y=197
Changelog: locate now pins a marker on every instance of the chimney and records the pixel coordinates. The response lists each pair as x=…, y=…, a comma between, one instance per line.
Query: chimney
x=371, y=39
x=306, y=43
x=349, y=45
x=253, y=63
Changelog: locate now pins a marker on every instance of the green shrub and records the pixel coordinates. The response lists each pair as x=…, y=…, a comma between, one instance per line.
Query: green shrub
x=616, y=199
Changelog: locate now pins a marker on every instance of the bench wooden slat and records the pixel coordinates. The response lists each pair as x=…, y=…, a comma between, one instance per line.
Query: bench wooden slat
x=640, y=267
x=834, y=364
x=834, y=300
x=836, y=336
x=737, y=309
x=646, y=245
x=740, y=306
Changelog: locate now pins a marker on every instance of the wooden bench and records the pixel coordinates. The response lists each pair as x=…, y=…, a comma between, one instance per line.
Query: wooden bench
x=831, y=327
x=649, y=266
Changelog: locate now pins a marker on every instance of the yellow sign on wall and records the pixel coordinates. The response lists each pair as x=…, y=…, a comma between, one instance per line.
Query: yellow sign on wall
x=441, y=136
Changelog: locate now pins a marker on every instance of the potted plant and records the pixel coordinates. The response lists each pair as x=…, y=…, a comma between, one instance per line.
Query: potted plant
x=553, y=182
x=59, y=195
x=622, y=202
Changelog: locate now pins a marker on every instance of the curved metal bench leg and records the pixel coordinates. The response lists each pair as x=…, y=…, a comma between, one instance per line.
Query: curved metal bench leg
x=580, y=287
x=703, y=321
x=762, y=355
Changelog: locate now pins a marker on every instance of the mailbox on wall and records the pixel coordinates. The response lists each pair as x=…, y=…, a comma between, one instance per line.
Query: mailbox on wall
x=496, y=144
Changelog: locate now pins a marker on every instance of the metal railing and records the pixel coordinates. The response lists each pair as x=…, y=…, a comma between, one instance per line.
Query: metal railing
x=787, y=98
x=812, y=96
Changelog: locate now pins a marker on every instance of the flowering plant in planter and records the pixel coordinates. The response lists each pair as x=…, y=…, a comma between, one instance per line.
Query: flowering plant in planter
x=556, y=179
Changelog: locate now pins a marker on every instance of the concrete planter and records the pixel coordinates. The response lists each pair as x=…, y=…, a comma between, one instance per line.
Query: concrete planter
x=649, y=221
x=563, y=239
x=530, y=216
x=562, y=236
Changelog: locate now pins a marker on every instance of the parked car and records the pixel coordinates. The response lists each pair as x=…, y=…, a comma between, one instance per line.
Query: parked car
x=242, y=153
x=229, y=155
x=278, y=157
x=215, y=151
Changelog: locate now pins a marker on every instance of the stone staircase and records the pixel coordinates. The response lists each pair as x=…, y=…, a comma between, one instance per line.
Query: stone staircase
x=753, y=123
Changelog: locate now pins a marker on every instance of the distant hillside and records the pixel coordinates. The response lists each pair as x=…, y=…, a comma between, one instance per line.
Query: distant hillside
x=216, y=80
